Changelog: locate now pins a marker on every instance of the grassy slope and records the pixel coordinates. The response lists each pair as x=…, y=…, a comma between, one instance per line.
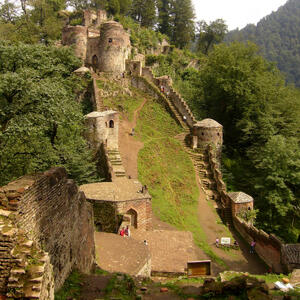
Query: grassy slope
x=169, y=173
x=163, y=164
x=122, y=102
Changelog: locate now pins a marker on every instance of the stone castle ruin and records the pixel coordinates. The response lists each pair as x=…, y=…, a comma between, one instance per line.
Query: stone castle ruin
x=47, y=223
x=100, y=43
x=46, y=231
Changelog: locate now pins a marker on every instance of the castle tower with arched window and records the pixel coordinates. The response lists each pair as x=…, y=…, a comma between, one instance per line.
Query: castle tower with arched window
x=114, y=47
x=102, y=128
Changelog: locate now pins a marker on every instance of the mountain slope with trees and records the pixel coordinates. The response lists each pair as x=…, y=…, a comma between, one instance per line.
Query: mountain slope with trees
x=278, y=37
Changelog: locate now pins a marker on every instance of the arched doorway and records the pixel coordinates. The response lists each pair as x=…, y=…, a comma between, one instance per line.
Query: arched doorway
x=95, y=62
x=111, y=124
x=133, y=217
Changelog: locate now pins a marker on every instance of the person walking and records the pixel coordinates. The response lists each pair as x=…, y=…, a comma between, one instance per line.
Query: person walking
x=252, y=246
x=127, y=231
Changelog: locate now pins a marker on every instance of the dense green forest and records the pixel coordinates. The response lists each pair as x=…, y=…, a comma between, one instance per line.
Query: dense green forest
x=277, y=36
x=41, y=122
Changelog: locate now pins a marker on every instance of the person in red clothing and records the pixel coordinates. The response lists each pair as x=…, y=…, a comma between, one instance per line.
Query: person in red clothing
x=122, y=232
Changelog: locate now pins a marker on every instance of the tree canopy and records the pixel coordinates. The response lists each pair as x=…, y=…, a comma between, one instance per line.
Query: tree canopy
x=261, y=119
x=41, y=123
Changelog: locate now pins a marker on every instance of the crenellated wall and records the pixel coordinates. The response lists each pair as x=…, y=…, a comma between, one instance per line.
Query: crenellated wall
x=49, y=223
x=174, y=97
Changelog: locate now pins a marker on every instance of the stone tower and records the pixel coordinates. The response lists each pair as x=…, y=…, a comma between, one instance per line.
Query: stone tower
x=102, y=128
x=208, y=132
x=114, y=47
x=76, y=35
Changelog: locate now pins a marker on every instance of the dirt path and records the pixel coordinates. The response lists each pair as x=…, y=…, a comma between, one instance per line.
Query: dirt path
x=129, y=147
x=238, y=260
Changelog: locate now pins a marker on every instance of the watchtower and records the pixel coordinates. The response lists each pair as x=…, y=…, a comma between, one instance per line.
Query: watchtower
x=208, y=132
x=114, y=47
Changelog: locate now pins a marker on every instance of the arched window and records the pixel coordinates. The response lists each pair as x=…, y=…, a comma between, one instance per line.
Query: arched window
x=110, y=40
x=133, y=217
x=111, y=124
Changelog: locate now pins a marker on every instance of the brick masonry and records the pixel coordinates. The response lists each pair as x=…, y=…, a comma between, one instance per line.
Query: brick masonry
x=50, y=226
x=268, y=246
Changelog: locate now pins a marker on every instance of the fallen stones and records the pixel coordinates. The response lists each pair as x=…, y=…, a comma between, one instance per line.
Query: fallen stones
x=254, y=289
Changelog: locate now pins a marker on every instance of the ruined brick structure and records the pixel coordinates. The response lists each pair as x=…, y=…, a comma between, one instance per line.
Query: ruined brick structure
x=102, y=128
x=240, y=201
x=208, y=132
x=47, y=230
x=121, y=199
x=114, y=47
x=102, y=44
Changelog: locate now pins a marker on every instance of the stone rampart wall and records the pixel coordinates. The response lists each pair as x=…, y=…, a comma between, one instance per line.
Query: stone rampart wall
x=148, y=87
x=97, y=102
x=108, y=214
x=77, y=36
x=268, y=247
x=54, y=216
x=92, y=51
x=174, y=97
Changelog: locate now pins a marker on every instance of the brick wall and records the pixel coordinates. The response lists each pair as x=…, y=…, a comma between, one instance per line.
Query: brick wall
x=108, y=214
x=56, y=218
x=143, y=209
x=268, y=247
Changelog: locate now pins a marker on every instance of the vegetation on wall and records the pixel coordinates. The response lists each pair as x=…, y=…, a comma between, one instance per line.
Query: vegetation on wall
x=41, y=124
x=142, y=38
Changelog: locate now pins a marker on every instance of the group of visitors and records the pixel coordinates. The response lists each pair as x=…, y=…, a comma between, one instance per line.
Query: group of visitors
x=125, y=231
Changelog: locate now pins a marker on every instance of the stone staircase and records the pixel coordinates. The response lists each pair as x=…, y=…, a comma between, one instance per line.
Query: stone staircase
x=115, y=162
x=199, y=158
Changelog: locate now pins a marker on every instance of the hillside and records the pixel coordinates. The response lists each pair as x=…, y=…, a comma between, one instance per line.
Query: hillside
x=278, y=37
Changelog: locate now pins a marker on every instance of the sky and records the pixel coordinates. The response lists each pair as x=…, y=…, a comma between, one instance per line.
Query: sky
x=236, y=13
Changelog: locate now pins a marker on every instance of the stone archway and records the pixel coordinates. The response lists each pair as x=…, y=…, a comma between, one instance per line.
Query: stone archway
x=111, y=124
x=133, y=217
x=95, y=62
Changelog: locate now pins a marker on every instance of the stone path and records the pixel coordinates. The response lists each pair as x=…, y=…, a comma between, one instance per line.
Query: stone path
x=170, y=249
x=120, y=254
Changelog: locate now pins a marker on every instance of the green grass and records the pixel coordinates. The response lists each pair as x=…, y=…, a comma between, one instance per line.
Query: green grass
x=122, y=102
x=120, y=286
x=169, y=173
x=269, y=278
x=71, y=288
